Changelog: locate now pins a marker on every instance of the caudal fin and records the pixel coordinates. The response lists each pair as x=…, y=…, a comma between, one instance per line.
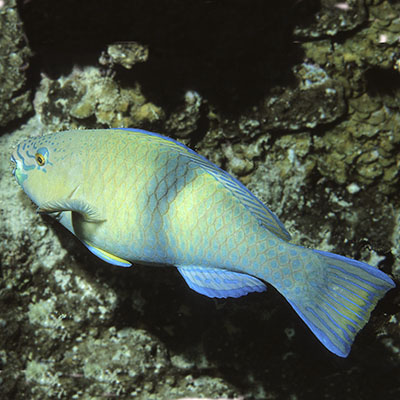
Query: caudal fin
x=337, y=307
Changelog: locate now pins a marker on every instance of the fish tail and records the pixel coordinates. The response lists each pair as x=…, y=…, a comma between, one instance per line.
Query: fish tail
x=339, y=298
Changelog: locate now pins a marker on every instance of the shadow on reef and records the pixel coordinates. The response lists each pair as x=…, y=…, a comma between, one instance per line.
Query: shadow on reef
x=232, y=52
x=256, y=342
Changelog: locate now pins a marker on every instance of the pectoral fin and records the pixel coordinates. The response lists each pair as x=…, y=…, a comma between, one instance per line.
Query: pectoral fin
x=107, y=257
x=88, y=212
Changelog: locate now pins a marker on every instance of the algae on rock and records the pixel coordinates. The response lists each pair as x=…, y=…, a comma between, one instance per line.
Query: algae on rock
x=73, y=101
x=14, y=63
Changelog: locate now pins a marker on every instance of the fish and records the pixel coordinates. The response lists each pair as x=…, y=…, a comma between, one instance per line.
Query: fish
x=138, y=197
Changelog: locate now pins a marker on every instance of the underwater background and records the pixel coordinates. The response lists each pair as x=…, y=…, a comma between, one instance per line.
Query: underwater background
x=298, y=99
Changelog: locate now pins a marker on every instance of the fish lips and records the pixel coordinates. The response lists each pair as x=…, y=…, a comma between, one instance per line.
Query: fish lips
x=19, y=176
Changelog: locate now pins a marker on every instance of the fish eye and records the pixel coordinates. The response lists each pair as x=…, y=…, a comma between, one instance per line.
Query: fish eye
x=40, y=159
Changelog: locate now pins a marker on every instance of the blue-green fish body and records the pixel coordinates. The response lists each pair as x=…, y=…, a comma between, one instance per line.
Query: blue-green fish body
x=133, y=196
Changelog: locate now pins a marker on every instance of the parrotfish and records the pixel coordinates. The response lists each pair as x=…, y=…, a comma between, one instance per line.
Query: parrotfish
x=137, y=197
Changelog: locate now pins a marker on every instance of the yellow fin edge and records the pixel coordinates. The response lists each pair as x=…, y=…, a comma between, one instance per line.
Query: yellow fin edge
x=107, y=257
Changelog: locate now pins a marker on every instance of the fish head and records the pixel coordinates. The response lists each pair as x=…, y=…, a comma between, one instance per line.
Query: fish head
x=43, y=167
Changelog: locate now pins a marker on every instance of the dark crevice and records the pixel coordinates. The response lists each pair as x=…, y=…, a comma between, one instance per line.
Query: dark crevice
x=382, y=81
x=229, y=51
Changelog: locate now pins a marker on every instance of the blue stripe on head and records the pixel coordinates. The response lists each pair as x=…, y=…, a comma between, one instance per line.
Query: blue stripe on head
x=25, y=166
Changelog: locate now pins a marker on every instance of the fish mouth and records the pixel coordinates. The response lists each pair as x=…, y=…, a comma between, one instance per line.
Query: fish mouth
x=17, y=171
x=14, y=163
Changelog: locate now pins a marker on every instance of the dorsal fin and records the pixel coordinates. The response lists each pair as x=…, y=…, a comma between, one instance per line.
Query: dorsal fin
x=264, y=215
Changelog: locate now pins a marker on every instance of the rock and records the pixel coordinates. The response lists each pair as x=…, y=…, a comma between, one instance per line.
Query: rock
x=14, y=64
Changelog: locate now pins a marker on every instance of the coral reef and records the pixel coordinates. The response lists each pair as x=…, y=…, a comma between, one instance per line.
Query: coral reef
x=14, y=63
x=126, y=54
x=334, y=17
x=86, y=94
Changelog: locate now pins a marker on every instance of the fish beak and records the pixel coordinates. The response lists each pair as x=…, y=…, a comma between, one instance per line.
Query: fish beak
x=17, y=169
x=13, y=163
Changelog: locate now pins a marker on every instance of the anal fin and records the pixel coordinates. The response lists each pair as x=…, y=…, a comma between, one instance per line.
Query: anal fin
x=215, y=282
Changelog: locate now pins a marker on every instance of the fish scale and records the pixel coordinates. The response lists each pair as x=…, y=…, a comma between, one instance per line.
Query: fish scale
x=203, y=226
x=133, y=196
